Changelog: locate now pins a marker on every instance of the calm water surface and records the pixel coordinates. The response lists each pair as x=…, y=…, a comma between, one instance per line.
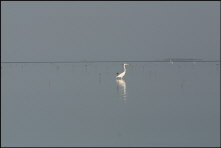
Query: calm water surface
x=82, y=104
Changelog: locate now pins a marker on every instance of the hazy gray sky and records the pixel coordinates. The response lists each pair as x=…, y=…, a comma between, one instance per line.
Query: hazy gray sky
x=60, y=31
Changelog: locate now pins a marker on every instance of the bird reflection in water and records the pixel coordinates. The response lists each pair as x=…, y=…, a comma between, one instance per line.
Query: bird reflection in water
x=122, y=89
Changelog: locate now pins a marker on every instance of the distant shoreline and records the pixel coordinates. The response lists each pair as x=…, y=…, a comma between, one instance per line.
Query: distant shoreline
x=166, y=60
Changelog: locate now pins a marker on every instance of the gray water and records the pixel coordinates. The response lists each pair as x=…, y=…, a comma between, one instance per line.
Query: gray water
x=82, y=104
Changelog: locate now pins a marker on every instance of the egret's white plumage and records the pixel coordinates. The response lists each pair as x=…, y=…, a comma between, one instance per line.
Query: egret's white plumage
x=121, y=75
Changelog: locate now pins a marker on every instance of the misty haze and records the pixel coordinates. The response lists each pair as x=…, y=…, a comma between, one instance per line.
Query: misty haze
x=121, y=73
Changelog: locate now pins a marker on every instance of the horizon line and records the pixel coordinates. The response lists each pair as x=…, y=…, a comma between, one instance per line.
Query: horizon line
x=97, y=61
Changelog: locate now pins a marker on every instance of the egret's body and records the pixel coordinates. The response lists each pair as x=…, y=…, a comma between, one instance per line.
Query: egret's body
x=121, y=75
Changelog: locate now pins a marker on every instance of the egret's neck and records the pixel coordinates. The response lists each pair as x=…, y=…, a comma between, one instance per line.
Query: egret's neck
x=124, y=68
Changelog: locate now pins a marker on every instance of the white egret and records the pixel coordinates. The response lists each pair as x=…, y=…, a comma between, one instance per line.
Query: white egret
x=121, y=75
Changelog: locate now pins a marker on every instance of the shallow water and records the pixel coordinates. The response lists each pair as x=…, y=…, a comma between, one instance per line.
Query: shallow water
x=82, y=104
